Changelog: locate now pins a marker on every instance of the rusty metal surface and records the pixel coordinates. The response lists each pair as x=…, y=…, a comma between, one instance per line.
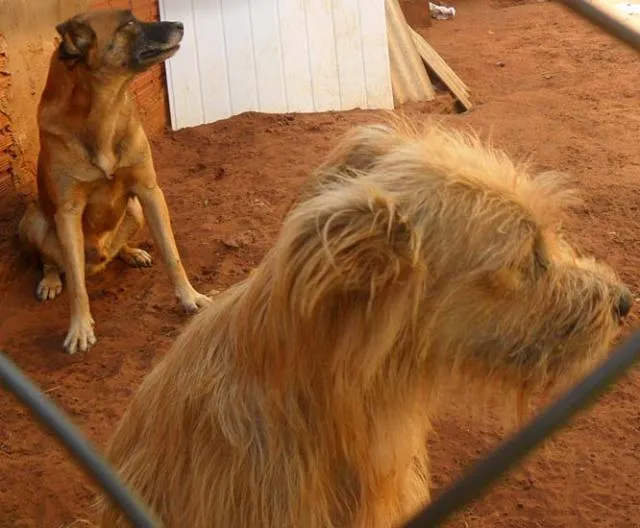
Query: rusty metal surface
x=409, y=77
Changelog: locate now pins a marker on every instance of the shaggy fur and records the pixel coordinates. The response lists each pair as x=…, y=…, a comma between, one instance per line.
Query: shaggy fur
x=302, y=397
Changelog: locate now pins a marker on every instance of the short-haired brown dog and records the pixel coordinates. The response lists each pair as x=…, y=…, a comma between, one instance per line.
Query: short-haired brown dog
x=96, y=177
x=302, y=397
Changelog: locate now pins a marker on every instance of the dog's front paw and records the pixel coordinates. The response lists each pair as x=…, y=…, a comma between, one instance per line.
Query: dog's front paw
x=135, y=257
x=80, y=336
x=49, y=287
x=192, y=301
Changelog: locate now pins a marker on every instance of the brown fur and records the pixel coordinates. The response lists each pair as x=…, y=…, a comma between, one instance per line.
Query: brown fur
x=96, y=178
x=303, y=395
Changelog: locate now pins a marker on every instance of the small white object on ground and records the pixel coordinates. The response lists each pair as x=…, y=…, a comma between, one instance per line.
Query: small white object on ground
x=441, y=12
x=629, y=8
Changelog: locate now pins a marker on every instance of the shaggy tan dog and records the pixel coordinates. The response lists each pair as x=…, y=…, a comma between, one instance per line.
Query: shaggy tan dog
x=302, y=397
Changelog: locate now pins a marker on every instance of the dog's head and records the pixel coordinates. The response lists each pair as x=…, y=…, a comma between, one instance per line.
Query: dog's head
x=116, y=41
x=458, y=247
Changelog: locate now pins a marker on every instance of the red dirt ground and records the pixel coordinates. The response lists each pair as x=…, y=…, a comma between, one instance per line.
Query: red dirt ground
x=544, y=83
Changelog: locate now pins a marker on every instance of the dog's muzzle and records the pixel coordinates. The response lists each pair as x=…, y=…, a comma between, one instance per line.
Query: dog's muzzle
x=158, y=41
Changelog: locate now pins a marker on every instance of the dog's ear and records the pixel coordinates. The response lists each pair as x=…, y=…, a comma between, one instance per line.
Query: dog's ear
x=356, y=153
x=359, y=149
x=77, y=38
x=348, y=241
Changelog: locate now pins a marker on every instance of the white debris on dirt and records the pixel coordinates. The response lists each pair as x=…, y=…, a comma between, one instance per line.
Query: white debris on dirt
x=441, y=12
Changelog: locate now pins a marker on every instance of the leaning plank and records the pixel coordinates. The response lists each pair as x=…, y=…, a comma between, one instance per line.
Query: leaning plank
x=441, y=69
x=409, y=78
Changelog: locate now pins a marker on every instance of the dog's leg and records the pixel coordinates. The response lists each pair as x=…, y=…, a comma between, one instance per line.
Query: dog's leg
x=69, y=227
x=37, y=233
x=50, y=286
x=156, y=213
x=131, y=224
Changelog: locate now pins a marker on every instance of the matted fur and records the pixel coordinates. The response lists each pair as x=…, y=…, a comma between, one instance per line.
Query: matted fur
x=419, y=261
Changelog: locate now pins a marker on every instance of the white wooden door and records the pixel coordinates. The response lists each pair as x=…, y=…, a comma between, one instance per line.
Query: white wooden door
x=276, y=56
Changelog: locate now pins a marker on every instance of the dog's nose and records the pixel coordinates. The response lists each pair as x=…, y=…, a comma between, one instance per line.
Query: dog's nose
x=625, y=302
x=179, y=25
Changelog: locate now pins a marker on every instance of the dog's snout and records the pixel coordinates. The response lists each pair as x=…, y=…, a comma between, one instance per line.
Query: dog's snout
x=625, y=302
x=179, y=25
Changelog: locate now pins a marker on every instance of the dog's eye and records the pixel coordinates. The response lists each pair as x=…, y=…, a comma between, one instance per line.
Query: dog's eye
x=130, y=23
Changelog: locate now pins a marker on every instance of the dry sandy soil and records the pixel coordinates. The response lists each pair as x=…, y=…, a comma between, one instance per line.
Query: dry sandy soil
x=544, y=82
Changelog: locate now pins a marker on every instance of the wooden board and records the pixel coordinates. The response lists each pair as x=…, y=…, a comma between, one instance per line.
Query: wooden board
x=276, y=56
x=441, y=69
x=408, y=75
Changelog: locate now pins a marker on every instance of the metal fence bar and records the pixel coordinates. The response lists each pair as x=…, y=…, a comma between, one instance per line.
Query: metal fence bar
x=610, y=24
x=73, y=440
x=483, y=474
x=512, y=451
x=488, y=470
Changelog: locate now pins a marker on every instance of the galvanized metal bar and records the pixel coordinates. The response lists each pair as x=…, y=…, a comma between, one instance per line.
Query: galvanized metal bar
x=40, y=405
x=500, y=460
x=608, y=23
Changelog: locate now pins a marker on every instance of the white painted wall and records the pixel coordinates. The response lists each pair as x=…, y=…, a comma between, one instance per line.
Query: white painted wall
x=276, y=56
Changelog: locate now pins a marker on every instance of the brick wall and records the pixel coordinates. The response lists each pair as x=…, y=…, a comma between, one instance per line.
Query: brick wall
x=7, y=146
